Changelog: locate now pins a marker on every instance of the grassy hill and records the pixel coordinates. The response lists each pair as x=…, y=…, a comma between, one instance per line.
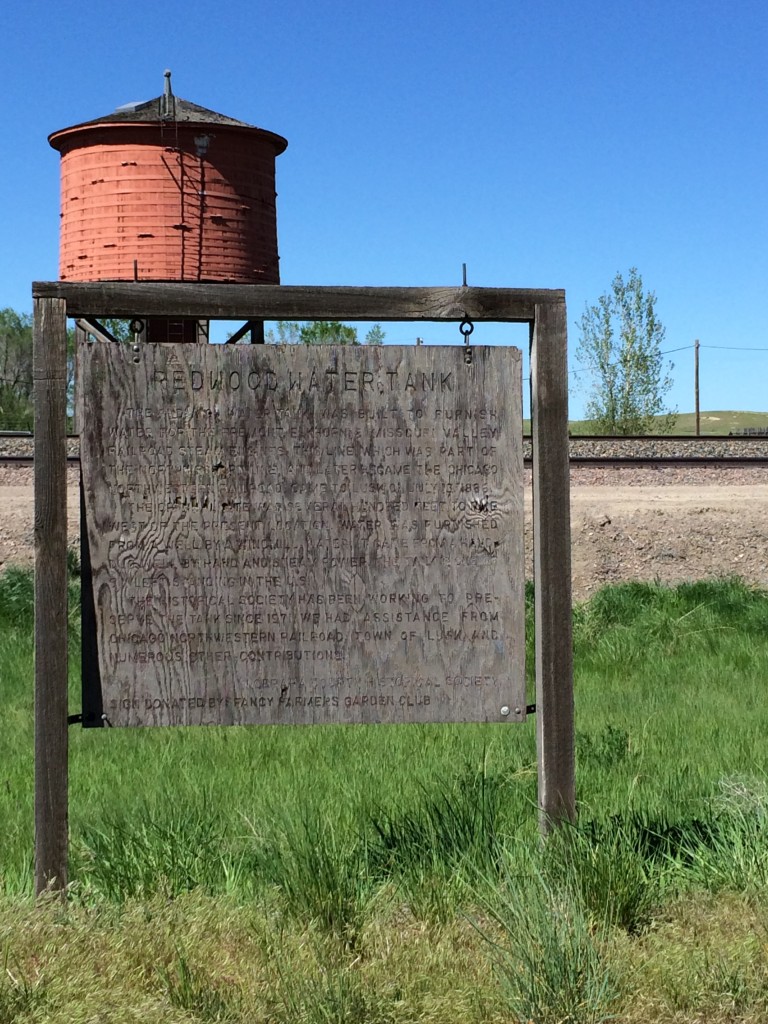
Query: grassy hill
x=712, y=423
x=720, y=422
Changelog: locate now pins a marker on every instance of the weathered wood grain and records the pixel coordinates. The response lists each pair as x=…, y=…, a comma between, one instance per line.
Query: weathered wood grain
x=50, y=379
x=293, y=534
x=296, y=302
x=552, y=567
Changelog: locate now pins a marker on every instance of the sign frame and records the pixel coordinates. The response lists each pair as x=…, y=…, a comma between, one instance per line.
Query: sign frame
x=544, y=311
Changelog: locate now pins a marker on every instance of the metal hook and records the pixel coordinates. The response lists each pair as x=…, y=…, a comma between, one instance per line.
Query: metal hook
x=466, y=327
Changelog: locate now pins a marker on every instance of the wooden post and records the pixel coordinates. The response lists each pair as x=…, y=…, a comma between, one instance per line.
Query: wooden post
x=696, y=385
x=50, y=379
x=552, y=566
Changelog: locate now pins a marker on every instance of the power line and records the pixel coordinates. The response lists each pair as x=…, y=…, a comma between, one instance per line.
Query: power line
x=735, y=348
x=595, y=366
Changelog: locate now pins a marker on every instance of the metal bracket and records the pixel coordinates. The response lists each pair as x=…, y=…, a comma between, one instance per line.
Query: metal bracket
x=89, y=720
x=248, y=326
x=96, y=330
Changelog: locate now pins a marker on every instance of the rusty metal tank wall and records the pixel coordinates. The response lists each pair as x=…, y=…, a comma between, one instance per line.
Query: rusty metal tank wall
x=168, y=202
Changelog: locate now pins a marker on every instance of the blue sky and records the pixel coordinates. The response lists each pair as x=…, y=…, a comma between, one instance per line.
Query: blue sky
x=544, y=144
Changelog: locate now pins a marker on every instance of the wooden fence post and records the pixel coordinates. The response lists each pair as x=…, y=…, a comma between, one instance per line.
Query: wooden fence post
x=552, y=566
x=50, y=382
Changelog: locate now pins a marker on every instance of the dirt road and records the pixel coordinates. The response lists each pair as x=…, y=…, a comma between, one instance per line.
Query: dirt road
x=668, y=533
x=646, y=526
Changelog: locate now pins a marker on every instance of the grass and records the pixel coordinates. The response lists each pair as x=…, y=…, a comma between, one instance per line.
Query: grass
x=388, y=874
x=549, y=957
x=719, y=421
x=712, y=423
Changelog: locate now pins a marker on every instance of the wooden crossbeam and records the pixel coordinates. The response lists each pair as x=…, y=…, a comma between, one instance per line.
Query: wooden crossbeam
x=296, y=302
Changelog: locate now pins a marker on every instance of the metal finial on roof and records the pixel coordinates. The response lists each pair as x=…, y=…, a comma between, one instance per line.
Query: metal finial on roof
x=168, y=102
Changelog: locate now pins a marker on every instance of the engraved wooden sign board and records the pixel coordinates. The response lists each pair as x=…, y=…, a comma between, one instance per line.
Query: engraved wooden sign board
x=305, y=534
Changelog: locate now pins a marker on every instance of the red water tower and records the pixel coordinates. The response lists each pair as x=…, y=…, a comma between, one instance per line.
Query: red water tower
x=168, y=191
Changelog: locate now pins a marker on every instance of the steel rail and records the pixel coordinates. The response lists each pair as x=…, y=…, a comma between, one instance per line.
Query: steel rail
x=680, y=461
x=661, y=439
x=28, y=460
x=612, y=461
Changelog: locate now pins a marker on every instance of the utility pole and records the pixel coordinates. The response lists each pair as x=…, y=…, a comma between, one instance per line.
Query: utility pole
x=696, y=347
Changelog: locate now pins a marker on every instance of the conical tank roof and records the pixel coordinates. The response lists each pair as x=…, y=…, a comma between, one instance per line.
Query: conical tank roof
x=166, y=109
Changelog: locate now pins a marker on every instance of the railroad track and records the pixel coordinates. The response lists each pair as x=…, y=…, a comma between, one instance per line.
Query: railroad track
x=608, y=462
x=17, y=449
x=681, y=461
x=28, y=460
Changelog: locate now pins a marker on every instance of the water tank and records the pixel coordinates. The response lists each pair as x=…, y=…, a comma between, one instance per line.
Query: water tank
x=168, y=191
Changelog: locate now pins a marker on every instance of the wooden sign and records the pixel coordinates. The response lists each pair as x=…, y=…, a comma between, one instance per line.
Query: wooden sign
x=305, y=534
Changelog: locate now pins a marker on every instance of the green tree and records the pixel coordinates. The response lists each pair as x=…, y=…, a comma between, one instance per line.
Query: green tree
x=327, y=332
x=375, y=336
x=119, y=329
x=320, y=332
x=620, y=345
x=17, y=408
x=16, y=402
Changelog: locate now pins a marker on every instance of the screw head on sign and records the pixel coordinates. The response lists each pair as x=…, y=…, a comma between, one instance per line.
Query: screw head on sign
x=505, y=711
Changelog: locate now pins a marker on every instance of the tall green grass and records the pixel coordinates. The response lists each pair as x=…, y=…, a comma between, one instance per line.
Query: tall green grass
x=339, y=839
x=548, y=955
x=670, y=692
